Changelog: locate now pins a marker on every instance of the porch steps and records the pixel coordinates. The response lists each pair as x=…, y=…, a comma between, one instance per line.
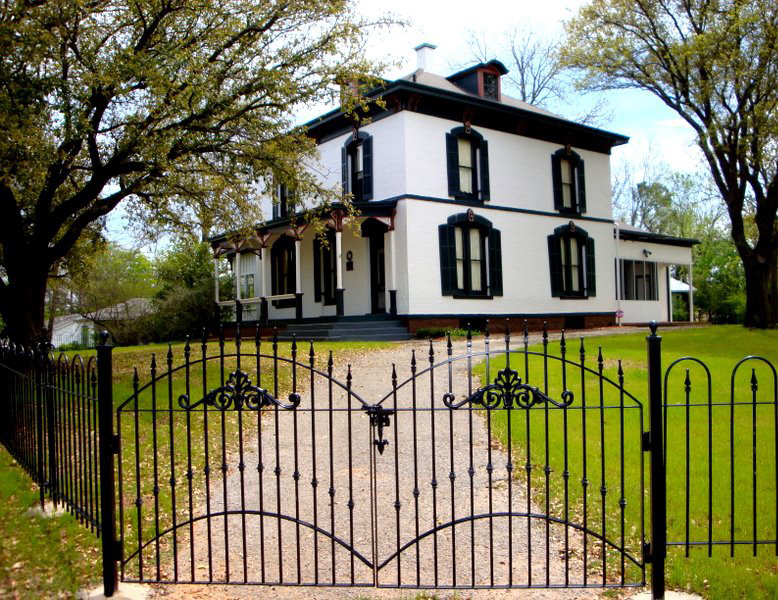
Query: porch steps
x=368, y=328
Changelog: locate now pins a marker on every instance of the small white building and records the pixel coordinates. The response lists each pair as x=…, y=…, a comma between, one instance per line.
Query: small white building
x=472, y=205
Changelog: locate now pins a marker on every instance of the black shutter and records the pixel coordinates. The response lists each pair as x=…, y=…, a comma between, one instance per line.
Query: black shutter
x=484, y=170
x=367, y=168
x=316, y=269
x=591, y=275
x=452, y=160
x=581, y=187
x=344, y=169
x=555, y=265
x=556, y=180
x=448, y=259
x=495, y=263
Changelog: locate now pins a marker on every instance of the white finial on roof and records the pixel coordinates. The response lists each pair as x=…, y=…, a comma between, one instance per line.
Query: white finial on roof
x=424, y=56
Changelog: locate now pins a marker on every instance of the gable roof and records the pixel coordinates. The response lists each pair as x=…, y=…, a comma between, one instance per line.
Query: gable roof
x=631, y=233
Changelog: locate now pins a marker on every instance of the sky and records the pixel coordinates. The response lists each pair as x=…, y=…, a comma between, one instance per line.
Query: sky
x=651, y=126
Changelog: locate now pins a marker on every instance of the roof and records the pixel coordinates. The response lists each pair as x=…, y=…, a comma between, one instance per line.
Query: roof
x=635, y=234
x=443, y=98
x=678, y=286
x=131, y=309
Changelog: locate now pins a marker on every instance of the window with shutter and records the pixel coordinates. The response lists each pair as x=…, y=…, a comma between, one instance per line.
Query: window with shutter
x=467, y=158
x=569, y=182
x=571, y=263
x=470, y=257
x=282, y=270
x=324, y=268
x=357, y=166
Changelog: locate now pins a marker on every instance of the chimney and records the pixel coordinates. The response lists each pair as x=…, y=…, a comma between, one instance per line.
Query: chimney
x=424, y=56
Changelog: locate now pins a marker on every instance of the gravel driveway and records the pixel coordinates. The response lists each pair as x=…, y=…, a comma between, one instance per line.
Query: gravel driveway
x=313, y=466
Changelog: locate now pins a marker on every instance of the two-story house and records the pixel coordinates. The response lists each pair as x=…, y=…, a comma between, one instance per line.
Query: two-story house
x=472, y=205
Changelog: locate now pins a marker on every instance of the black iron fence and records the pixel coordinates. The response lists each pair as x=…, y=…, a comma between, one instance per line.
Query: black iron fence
x=498, y=466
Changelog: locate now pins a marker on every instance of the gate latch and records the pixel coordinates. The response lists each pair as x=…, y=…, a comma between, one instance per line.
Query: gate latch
x=379, y=417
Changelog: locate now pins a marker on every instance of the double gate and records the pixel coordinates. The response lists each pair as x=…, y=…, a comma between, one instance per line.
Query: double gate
x=460, y=467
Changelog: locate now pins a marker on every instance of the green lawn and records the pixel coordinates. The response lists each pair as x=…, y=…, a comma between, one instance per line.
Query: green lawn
x=40, y=558
x=598, y=415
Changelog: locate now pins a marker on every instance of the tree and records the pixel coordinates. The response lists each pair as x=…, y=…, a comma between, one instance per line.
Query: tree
x=716, y=65
x=171, y=107
x=536, y=74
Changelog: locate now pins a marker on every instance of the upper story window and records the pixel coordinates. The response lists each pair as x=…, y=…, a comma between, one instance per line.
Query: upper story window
x=357, y=166
x=468, y=164
x=281, y=205
x=491, y=86
x=638, y=280
x=571, y=263
x=567, y=172
x=470, y=257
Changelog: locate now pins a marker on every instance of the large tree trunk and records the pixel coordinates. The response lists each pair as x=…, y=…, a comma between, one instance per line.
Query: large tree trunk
x=23, y=303
x=762, y=290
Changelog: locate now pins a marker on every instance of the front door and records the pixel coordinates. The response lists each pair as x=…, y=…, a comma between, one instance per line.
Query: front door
x=377, y=274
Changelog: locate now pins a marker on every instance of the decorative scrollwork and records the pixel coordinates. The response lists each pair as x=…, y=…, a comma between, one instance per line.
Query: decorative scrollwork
x=239, y=394
x=507, y=391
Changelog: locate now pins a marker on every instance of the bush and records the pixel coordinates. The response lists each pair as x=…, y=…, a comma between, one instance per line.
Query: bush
x=424, y=333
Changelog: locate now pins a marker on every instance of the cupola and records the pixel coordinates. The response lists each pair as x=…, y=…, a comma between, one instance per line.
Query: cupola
x=483, y=79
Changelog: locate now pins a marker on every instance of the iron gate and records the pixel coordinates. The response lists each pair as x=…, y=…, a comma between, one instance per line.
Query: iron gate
x=248, y=467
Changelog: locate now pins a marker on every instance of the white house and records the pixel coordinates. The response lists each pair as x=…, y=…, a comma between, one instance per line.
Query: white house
x=472, y=205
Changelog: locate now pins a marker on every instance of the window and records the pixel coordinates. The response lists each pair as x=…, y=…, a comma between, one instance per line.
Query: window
x=247, y=286
x=567, y=174
x=281, y=206
x=470, y=257
x=282, y=270
x=324, y=268
x=491, y=86
x=638, y=280
x=571, y=263
x=468, y=164
x=357, y=166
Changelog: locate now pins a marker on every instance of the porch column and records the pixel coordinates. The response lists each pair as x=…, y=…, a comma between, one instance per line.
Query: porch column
x=339, y=273
x=691, y=296
x=216, y=279
x=392, y=274
x=236, y=270
x=298, y=281
x=669, y=295
x=263, y=313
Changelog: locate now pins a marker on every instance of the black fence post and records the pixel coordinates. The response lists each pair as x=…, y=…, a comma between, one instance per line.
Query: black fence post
x=107, y=447
x=51, y=437
x=40, y=392
x=656, y=448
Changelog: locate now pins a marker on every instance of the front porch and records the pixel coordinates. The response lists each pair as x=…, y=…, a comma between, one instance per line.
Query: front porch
x=294, y=271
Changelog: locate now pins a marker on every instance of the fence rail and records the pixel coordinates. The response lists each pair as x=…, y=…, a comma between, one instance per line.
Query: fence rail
x=48, y=423
x=704, y=453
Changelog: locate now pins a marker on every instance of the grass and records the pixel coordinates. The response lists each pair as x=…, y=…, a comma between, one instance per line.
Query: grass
x=40, y=557
x=719, y=576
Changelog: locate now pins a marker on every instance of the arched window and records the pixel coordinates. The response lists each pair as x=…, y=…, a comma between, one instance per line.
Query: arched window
x=571, y=263
x=356, y=159
x=282, y=270
x=467, y=155
x=470, y=257
x=567, y=173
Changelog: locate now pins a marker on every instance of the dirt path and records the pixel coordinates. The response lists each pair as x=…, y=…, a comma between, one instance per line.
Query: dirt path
x=312, y=465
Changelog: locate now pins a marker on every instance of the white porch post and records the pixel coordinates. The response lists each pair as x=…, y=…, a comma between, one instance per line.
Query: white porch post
x=691, y=296
x=216, y=279
x=263, y=312
x=669, y=294
x=237, y=275
x=392, y=273
x=298, y=278
x=339, y=272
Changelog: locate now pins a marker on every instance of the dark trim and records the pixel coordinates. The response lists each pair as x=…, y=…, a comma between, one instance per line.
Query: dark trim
x=263, y=310
x=492, y=63
x=654, y=238
x=491, y=114
x=339, y=308
x=392, y=302
x=472, y=297
x=298, y=305
x=470, y=203
x=507, y=315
